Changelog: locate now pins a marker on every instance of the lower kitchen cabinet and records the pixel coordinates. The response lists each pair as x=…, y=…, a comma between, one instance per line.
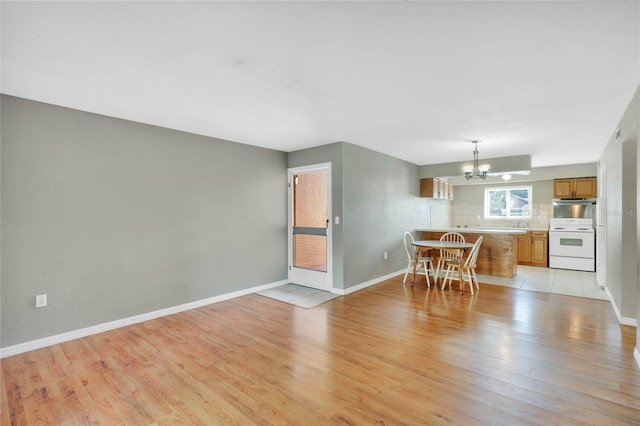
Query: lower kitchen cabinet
x=533, y=248
x=524, y=249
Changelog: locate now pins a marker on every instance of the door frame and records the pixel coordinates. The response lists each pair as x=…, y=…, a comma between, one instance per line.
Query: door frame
x=601, y=227
x=306, y=275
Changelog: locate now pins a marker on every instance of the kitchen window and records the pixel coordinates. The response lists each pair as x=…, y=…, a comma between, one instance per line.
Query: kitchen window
x=512, y=202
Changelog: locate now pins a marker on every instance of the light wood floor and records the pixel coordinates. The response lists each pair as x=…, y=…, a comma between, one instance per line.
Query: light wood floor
x=389, y=354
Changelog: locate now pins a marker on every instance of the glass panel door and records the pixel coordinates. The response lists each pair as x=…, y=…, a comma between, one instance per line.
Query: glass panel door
x=309, y=226
x=310, y=221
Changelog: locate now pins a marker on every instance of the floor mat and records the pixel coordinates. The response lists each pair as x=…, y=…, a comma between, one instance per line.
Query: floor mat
x=297, y=295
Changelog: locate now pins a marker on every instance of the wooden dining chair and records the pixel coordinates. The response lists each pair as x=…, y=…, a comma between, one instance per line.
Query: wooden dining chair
x=469, y=267
x=447, y=255
x=425, y=263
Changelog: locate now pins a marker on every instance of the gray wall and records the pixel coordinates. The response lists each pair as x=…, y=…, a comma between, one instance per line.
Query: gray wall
x=612, y=158
x=381, y=201
x=113, y=219
x=629, y=226
x=622, y=251
x=377, y=198
x=0, y=222
x=635, y=131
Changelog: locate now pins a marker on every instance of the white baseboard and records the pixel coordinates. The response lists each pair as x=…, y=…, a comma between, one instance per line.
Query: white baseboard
x=622, y=320
x=625, y=321
x=366, y=283
x=88, y=331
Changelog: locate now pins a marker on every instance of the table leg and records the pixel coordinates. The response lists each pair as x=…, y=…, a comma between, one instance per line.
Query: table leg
x=460, y=260
x=415, y=265
x=460, y=272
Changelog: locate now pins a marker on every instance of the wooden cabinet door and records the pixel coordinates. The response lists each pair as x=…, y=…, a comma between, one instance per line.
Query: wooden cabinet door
x=575, y=188
x=539, y=249
x=585, y=187
x=562, y=188
x=524, y=248
x=430, y=187
x=436, y=188
x=444, y=190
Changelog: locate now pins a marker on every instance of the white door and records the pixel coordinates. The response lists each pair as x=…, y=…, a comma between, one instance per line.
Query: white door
x=310, y=226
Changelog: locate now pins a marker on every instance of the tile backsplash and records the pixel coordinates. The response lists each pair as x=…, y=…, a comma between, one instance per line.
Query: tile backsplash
x=441, y=216
x=472, y=215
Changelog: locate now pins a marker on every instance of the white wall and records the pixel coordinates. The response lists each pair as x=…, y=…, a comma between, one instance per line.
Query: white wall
x=468, y=206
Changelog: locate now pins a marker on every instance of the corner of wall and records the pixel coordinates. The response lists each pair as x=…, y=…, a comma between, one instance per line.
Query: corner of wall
x=1, y=100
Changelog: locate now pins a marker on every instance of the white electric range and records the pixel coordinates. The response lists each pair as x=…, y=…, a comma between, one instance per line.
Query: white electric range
x=572, y=244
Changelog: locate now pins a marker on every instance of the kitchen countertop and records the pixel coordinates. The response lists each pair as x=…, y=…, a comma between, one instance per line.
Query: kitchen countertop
x=498, y=252
x=483, y=230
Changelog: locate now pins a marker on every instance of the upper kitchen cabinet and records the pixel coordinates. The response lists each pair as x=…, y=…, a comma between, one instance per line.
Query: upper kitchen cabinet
x=436, y=188
x=575, y=188
x=430, y=187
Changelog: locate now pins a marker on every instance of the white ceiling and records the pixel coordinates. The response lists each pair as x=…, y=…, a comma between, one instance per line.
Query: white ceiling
x=415, y=80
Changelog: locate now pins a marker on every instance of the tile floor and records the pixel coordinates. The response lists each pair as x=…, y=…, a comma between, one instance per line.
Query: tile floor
x=298, y=295
x=559, y=281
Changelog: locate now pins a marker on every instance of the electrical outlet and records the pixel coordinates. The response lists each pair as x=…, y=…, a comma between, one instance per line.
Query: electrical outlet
x=41, y=300
x=385, y=254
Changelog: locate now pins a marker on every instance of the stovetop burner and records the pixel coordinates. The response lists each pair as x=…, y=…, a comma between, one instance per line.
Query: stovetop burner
x=571, y=225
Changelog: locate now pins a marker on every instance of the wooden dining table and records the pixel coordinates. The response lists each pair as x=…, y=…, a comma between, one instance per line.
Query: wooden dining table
x=457, y=246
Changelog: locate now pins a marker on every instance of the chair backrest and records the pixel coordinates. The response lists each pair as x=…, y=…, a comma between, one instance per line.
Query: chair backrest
x=408, y=239
x=451, y=236
x=473, y=254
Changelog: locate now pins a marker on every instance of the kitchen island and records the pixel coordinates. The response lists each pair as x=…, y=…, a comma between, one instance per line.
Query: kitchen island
x=499, y=250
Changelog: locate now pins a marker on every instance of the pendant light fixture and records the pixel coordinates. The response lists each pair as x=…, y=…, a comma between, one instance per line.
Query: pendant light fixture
x=478, y=172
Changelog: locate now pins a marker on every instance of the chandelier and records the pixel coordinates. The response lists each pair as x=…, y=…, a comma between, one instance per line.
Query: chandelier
x=478, y=172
